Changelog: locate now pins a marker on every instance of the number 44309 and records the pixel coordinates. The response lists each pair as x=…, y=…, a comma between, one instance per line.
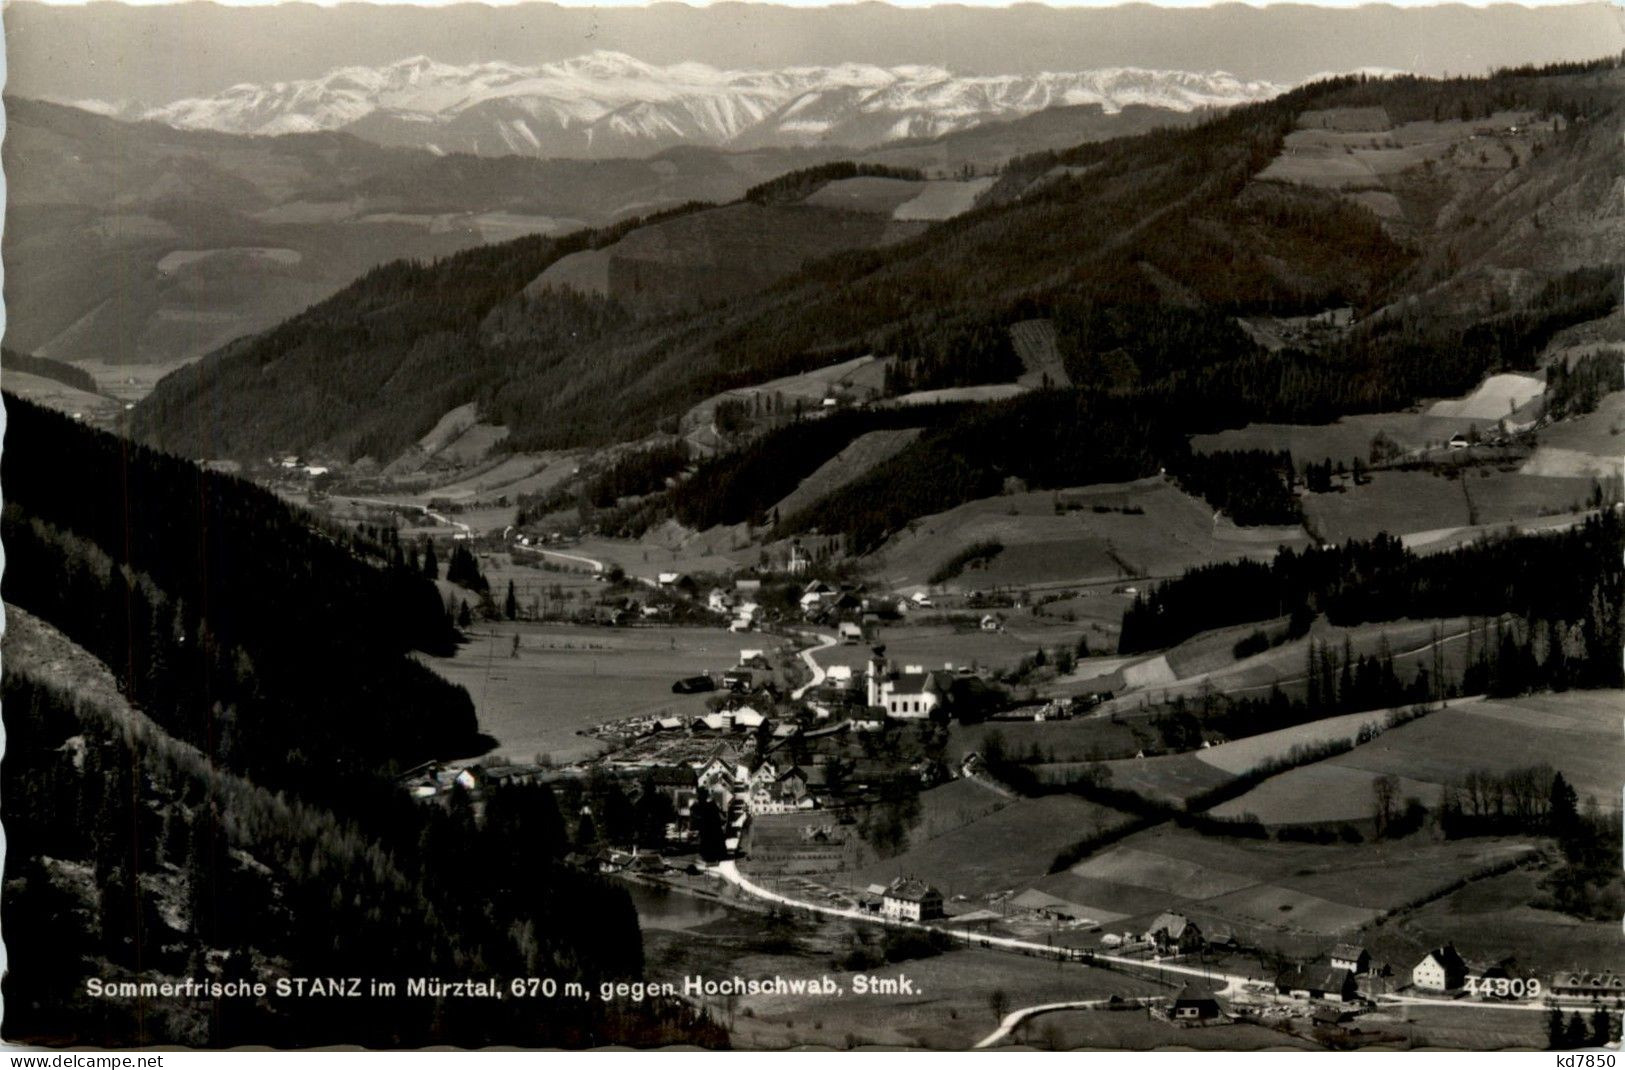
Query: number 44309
x=1504, y=987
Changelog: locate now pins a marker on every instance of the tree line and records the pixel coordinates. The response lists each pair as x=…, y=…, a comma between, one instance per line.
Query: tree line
x=1570, y=580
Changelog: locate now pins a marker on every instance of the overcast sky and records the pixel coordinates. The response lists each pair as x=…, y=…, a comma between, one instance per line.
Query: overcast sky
x=825, y=3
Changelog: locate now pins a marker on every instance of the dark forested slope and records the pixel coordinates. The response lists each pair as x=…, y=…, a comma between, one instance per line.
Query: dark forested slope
x=206, y=701
x=280, y=649
x=1141, y=249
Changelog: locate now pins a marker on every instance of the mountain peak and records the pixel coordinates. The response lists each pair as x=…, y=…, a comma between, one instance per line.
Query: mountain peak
x=607, y=102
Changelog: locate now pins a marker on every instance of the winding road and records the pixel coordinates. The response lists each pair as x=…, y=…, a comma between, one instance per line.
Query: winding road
x=729, y=872
x=591, y=562
x=1010, y=1021
x=1232, y=983
x=825, y=641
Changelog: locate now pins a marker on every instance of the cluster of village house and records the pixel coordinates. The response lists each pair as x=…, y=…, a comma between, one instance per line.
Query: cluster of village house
x=1340, y=978
x=720, y=755
x=854, y=613
x=744, y=784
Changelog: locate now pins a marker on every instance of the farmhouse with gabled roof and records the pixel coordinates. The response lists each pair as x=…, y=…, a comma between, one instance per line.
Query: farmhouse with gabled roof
x=1440, y=970
x=1351, y=957
x=911, y=900
x=1319, y=981
x=1174, y=934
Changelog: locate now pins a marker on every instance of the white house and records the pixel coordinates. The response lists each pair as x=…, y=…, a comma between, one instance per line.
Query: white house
x=1440, y=970
x=716, y=771
x=992, y=622
x=1174, y=934
x=719, y=601
x=782, y=793
x=913, y=695
x=851, y=633
x=908, y=899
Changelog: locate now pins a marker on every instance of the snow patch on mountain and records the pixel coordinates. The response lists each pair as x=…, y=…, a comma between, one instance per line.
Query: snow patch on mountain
x=605, y=102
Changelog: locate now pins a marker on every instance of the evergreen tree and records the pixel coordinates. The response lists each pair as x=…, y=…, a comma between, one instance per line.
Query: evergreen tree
x=1602, y=1028
x=1562, y=813
x=510, y=604
x=1554, y=1030
x=708, y=825
x=654, y=811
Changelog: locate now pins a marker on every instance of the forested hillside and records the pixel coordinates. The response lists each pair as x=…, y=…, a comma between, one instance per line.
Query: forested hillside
x=45, y=367
x=206, y=702
x=1565, y=588
x=280, y=649
x=1142, y=251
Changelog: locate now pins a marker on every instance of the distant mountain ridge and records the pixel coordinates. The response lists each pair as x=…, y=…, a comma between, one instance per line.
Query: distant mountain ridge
x=611, y=104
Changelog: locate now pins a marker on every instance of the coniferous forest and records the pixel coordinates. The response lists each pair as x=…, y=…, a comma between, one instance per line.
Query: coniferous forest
x=1564, y=588
x=227, y=796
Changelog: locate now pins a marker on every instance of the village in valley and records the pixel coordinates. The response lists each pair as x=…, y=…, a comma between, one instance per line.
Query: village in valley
x=812, y=750
x=1019, y=736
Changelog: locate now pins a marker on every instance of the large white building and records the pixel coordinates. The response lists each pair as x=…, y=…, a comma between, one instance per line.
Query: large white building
x=912, y=694
x=907, y=899
x=1441, y=970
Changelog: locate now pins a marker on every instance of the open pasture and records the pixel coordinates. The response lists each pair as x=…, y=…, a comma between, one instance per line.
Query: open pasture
x=1495, y=397
x=866, y=193
x=1175, y=778
x=1408, y=641
x=567, y=678
x=1240, y=756
x=1076, y=741
x=1412, y=502
x=943, y=199
x=856, y=459
x=61, y=397
x=127, y=382
x=1260, y=887
x=1577, y=733
x=1169, y=778
x=1034, y=342
x=1120, y=1031
x=1584, y=447
x=862, y=377
x=1392, y=502
x=1366, y=155
x=948, y=1011
x=1215, y=650
x=1494, y=918
x=949, y=394
x=935, y=646
x=1104, y=532
x=668, y=548
x=1009, y=848
x=901, y=199
x=1344, y=440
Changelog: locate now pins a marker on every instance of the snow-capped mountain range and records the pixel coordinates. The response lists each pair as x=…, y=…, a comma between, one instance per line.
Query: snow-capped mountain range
x=611, y=104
